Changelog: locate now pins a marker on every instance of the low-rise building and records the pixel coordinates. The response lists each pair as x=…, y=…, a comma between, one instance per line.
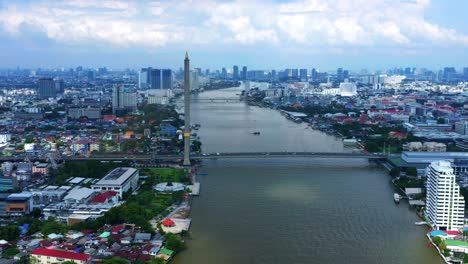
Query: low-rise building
x=47, y=256
x=120, y=180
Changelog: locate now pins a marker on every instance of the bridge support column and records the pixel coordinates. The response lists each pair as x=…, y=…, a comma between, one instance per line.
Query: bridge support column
x=187, y=95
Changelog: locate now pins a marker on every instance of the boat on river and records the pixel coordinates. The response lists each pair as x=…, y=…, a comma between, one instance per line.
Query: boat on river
x=396, y=197
x=256, y=133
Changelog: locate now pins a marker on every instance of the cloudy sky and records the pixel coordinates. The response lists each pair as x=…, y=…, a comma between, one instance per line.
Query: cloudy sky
x=325, y=34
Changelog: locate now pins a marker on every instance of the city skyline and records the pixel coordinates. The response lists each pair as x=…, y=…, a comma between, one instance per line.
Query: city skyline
x=260, y=34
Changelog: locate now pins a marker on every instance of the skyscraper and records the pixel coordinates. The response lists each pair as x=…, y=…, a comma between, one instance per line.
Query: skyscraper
x=187, y=94
x=314, y=74
x=339, y=74
x=295, y=73
x=244, y=73
x=59, y=86
x=235, y=72
x=224, y=73
x=143, y=78
x=303, y=74
x=160, y=78
x=445, y=205
x=46, y=88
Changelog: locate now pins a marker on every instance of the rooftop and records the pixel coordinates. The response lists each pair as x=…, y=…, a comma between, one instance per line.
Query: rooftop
x=117, y=176
x=60, y=254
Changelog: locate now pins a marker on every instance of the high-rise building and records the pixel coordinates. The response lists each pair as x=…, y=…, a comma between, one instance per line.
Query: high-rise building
x=273, y=74
x=194, y=80
x=224, y=73
x=314, y=74
x=244, y=73
x=91, y=76
x=123, y=98
x=465, y=72
x=339, y=74
x=235, y=72
x=445, y=206
x=143, y=78
x=295, y=73
x=46, y=88
x=303, y=74
x=59, y=86
x=449, y=73
x=160, y=78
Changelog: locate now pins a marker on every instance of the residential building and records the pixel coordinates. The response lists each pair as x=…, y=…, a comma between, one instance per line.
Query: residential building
x=46, y=88
x=40, y=168
x=120, y=180
x=47, y=256
x=445, y=205
x=123, y=98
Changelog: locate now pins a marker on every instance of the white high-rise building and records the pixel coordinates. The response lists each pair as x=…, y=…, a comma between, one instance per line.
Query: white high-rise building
x=123, y=98
x=445, y=208
x=348, y=89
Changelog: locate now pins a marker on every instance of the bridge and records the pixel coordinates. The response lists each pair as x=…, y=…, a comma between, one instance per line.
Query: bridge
x=207, y=156
x=217, y=99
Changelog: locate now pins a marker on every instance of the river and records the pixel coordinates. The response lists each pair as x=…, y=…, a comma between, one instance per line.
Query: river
x=292, y=210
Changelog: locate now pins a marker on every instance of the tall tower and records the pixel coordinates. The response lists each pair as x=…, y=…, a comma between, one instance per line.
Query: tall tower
x=187, y=95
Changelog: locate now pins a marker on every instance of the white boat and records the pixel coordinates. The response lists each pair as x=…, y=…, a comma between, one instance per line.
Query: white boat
x=396, y=197
x=420, y=223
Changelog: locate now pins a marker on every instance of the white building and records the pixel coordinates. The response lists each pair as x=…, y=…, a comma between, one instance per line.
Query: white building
x=119, y=180
x=5, y=138
x=445, y=204
x=348, y=89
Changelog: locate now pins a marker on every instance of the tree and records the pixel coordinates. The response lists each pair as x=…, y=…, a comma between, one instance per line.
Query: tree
x=437, y=240
x=394, y=172
x=440, y=120
x=9, y=232
x=372, y=146
x=114, y=260
x=10, y=252
x=411, y=171
x=156, y=261
x=174, y=242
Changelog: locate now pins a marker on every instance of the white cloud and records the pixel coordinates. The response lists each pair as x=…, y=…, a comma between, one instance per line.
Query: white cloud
x=308, y=23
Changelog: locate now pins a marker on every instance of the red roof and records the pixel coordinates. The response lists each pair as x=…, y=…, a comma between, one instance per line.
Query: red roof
x=168, y=222
x=451, y=232
x=118, y=229
x=103, y=197
x=60, y=254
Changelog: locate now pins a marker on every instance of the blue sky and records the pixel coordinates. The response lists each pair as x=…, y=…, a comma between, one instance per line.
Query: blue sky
x=264, y=34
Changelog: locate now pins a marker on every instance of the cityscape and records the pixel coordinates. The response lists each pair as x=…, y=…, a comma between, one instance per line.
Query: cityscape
x=199, y=139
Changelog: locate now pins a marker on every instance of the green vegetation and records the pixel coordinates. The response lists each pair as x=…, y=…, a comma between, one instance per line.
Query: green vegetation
x=394, y=172
x=88, y=169
x=10, y=252
x=174, y=243
x=405, y=182
x=114, y=260
x=9, y=232
x=52, y=226
x=166, y=174
x=411, y=171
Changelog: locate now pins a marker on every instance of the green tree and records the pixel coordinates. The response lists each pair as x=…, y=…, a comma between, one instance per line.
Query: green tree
x=156, y=261
x=9, y=232
x=437, y=240
x=114, y=260
x=174, y=242
x=372, y=146
x=394, y=172
x=411, y=171
x=10, y=252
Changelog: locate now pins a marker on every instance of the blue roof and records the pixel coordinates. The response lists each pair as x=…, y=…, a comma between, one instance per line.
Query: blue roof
x=437, y=233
